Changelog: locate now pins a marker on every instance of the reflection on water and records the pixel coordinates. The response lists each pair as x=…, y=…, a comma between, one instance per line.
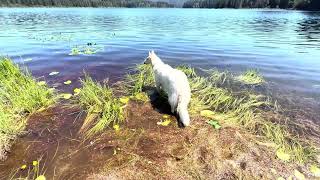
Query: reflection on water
x=284, y=45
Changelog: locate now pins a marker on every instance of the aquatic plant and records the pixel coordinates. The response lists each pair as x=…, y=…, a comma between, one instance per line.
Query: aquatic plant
x=20, y=96
x=87, y=49
x=101, y=106
x=251, y=77
x=75, y=51
x=190, y=72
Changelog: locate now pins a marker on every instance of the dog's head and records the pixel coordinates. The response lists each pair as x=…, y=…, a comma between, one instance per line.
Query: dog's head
x=148, y=60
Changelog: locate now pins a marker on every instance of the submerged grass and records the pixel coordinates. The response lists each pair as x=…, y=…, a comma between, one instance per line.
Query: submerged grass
x=220, y=93
x=102, y=107
x=251, y=77
x=20, y=96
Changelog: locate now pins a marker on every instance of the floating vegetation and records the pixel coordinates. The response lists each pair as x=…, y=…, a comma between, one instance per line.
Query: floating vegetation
x=215, y=97
x=251, y=77
x=101, y=106
x=88, y=49
x=66, y=95
x=20, y=96
x=67, y=82
x=75, y=51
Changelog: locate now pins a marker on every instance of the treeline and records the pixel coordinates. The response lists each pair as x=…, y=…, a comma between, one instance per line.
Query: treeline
x=284, y=4
x=83, y=3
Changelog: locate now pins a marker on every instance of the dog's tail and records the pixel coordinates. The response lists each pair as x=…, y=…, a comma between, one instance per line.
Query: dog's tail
x=182, y=110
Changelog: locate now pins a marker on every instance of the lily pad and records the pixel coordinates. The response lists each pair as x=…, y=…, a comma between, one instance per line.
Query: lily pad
x=116, y=127
x=75, y=51
x=23, y=167
x=299, y=175
x=315, y=170
x=164, y=123
x=282, y=155
x=207, y=113
x=53, y=73
x=35, y=163
x=214, y=124
x=66, y=96
x=42, y=83
x=41, y=177
x=89, y=51
x=67, y=82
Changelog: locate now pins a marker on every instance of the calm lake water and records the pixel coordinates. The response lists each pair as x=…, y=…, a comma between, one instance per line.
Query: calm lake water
x=283, y=45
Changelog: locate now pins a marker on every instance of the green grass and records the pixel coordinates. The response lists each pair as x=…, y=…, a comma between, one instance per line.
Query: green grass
x=234, y=106
x=251, y=77
x=140, y=78
x=20, y=96
x=101, y=106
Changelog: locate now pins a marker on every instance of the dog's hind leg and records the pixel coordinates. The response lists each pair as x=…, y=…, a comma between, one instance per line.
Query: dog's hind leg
x=158, y=85
x=173, y=101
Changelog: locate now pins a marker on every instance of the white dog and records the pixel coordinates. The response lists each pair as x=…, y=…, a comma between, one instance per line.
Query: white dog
x=175, y=83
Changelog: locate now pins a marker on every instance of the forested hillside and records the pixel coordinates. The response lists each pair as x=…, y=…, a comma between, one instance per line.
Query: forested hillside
x=296, y=4
x=84, y=3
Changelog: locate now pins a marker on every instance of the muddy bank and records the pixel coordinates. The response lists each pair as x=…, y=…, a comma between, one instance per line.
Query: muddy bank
x=140, y=149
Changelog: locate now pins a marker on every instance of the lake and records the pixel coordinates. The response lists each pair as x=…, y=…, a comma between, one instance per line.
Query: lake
x=283, y=45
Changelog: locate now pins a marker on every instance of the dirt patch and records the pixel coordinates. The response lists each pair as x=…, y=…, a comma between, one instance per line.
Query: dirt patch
x=196, y=152
x=142, y=149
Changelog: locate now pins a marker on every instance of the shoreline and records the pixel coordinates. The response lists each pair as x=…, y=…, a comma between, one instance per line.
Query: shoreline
x=116, y=7
x=124, y=123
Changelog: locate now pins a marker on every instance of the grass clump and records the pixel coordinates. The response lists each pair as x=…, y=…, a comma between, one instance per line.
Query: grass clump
x=102, y=107
x=20, y=96
x=220, y=93
x=251, y=77
x=139, y=79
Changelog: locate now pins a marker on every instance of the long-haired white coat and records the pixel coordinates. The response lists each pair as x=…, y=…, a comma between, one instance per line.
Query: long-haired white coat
x=173, y=82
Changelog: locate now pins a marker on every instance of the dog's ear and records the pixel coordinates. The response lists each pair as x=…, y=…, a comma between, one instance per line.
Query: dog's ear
x=150, y=53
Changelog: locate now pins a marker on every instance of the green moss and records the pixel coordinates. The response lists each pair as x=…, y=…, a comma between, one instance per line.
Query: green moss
x=101, y=106
x=20, y=96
